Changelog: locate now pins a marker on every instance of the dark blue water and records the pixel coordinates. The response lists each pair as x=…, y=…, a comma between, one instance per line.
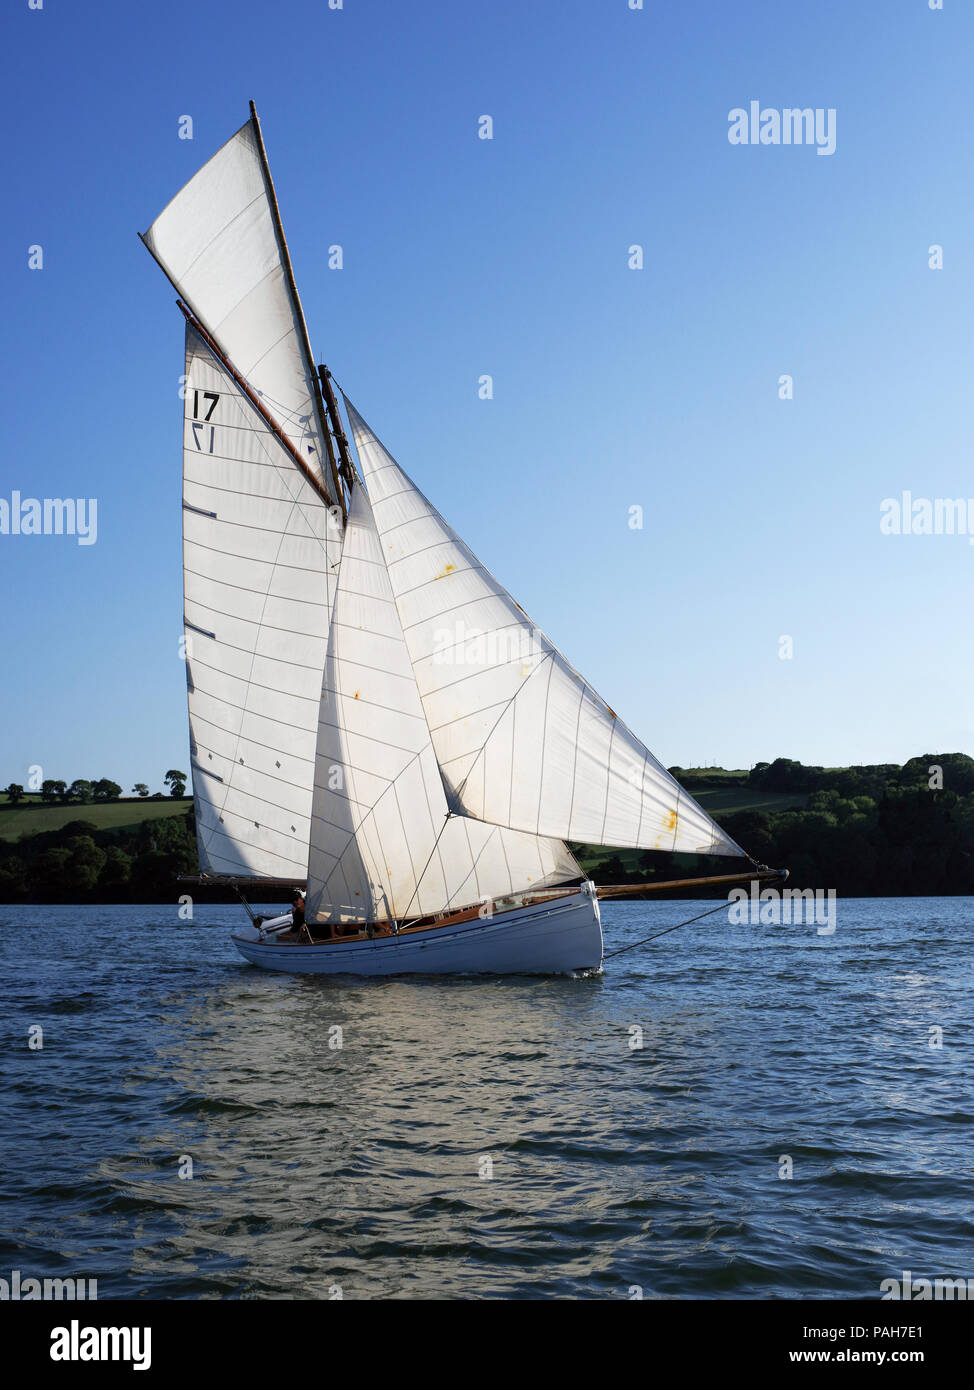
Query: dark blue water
x=317, y=1167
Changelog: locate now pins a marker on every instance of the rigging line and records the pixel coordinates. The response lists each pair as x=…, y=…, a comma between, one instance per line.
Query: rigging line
x=507, y=705
x=633, y=946
x=446, y=821
x=475, y=860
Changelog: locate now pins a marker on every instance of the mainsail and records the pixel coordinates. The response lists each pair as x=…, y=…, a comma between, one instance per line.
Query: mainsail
x=382, y=845
x=220, y=244
x=521, y=740
x=260, y=547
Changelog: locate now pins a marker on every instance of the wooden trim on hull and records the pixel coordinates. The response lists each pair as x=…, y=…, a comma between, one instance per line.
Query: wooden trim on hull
x=352, y=932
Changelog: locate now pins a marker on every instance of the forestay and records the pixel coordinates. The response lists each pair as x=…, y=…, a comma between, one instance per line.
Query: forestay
x=521, y=739
x=218, y=243
x=259, y=547
x=381, y=843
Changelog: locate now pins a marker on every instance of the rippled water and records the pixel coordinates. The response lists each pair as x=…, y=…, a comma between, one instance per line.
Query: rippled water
x=360, y=1166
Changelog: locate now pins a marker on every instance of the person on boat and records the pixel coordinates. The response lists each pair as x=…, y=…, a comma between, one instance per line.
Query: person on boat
x=297, y=916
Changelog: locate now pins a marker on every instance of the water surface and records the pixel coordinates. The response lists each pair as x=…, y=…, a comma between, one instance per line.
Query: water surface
x=318, y=1166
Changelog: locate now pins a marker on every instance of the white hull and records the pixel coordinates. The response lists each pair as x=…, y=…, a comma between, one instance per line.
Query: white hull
x=558, y=936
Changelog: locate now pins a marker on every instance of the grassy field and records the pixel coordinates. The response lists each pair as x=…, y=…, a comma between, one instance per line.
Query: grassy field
x=32, y=816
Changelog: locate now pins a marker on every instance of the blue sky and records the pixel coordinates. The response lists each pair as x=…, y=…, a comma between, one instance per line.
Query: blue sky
x=613, y=387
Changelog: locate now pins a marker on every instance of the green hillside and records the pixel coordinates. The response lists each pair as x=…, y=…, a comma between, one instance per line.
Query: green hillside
x=878, y=829
x=32, y=817
x=884, y=829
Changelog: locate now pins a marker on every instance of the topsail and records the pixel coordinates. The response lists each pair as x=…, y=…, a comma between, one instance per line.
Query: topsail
x=219, y=244
x=521, y=739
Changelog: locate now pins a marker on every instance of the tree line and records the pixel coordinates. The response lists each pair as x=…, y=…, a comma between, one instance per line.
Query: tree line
x=884, y=830
x=81, y=862
x=875, y=831
x=82, y=792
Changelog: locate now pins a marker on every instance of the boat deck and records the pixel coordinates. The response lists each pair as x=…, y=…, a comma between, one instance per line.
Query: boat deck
x=325, y=933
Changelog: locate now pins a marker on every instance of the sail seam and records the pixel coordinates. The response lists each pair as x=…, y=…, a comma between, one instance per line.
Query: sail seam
x=547, y=698
x=578, y=725
x=251, y=495
x=484, y=709
x=373, y=704
x=275, y=564
x=218, y=233
x=264, y=800
x=347, y=796
x=250, y=824
x=246, y=651
x=485, y=670
x=354, y=798
x=384, y=743
x=215, y=831
x=416, y=588
x=238, y=395
x=608, y=782
x=256, y=743
x=507, y=705
x=270, y=348
x=455, y=608
x=334, y=825
x=312, y=499
x=246, y=589
x=251, y=768
x=642, y=806
x=411, y=521
x=390, y=783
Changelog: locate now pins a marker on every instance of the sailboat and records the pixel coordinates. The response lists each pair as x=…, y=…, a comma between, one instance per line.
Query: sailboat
x=371, y=714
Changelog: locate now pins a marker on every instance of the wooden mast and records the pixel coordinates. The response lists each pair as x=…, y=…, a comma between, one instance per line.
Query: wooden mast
x=298, y=311
x=348, y=470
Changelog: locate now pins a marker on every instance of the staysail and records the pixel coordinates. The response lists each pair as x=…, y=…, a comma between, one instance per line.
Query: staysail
x=521, y=740
x=218, y=241
x=381, y=843
x=260, y=547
